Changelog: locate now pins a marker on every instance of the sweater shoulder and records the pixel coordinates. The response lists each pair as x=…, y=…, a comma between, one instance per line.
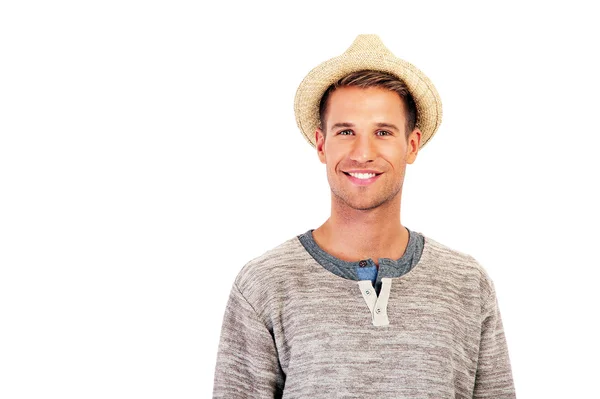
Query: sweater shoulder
x=271, y=267
x=460, y=264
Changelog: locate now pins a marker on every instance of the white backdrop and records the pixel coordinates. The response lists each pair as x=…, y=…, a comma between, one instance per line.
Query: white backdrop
x=148, y=150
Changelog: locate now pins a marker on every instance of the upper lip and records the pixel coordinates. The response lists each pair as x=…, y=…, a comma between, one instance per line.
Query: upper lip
x=362, y=171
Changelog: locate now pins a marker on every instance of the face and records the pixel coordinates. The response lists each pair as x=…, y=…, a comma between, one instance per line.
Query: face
x=365, y=137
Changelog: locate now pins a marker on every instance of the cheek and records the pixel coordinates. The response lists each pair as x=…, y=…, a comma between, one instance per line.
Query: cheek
x=333, y=156
x=395, y=156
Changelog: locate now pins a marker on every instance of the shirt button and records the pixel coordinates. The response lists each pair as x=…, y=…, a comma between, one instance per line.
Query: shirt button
x=362, y=263
x=378, y=310
x=368, y=292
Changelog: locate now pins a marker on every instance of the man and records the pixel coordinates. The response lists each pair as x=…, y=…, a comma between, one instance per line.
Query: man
x=363, y=306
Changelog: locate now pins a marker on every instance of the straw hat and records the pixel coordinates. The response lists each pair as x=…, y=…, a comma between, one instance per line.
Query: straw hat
x=367, y=52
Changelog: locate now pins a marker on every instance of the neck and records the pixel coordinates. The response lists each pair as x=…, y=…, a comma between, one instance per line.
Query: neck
x=350, y=234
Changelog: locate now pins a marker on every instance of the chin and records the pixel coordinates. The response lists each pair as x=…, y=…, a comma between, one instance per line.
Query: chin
x=363, y=205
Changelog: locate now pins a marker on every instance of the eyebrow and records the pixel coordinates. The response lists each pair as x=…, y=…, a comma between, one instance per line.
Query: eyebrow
x=342, y=124
x=388, y=125
x=379, y=124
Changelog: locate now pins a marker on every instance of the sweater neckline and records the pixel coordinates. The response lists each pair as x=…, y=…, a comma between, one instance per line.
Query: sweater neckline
x=350, y=269
x=425, y=257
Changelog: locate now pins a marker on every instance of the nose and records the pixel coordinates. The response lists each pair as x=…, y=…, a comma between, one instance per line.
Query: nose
x=363, y=149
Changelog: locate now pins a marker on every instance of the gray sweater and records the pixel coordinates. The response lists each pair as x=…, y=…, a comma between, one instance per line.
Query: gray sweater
x=293, y=329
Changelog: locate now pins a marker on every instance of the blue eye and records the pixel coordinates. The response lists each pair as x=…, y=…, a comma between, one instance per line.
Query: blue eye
x=384, y=131
x=345, y=131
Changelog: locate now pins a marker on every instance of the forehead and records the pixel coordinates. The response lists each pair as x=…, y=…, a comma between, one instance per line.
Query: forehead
x=361, y=103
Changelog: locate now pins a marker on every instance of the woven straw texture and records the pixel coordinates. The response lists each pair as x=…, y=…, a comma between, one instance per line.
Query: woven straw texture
x=367, y=52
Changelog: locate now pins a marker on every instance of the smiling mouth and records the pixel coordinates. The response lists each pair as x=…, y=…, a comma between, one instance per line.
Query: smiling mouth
x=362, y=176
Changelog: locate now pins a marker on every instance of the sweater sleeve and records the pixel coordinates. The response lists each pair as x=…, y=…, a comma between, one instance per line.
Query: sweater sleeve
x=247, y=362
x=493, y=378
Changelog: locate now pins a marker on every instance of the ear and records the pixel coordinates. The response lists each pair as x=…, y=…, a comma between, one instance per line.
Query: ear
x=413, y=143
x=320, y=144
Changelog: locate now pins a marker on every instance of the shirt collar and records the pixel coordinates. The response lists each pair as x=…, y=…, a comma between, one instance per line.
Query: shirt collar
x=387, y=267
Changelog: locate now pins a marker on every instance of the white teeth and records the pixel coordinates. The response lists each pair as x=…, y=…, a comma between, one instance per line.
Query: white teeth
x=362, y=175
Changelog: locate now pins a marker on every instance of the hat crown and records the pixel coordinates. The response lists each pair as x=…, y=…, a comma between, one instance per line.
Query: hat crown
x=367, y=44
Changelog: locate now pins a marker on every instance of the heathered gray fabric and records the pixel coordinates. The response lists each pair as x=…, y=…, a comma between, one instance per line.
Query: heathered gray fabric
x=293, y=329
x=387, y=267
